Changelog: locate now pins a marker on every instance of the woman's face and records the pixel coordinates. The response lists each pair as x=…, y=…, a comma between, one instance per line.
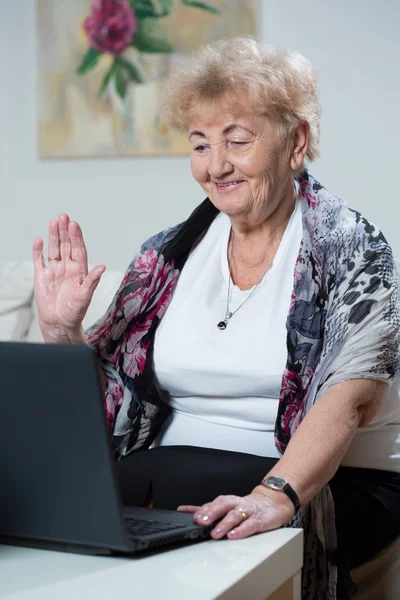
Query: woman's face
x=240, y=161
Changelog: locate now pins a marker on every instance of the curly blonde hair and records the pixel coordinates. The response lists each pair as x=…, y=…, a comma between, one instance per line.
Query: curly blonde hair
x=280, y=85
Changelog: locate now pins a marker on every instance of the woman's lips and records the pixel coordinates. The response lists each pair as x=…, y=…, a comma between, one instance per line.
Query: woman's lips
x=229, y=186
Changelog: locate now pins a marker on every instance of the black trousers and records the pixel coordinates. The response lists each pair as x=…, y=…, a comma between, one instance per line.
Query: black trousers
x=367, y=501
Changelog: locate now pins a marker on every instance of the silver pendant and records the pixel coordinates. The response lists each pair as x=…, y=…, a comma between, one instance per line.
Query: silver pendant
x=224, y=324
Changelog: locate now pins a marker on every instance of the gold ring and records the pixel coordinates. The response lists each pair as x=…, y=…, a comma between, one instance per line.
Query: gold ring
x=56, y=258
x=242, y=513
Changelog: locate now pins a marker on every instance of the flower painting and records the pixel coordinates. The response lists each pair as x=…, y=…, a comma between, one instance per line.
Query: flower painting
x=102, y=64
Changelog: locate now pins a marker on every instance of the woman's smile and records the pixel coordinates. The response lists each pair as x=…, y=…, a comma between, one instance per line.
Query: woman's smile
x=228, y=186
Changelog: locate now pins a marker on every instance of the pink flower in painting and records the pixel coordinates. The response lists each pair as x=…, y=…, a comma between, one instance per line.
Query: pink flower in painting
x=110, y=25
x=306, y=193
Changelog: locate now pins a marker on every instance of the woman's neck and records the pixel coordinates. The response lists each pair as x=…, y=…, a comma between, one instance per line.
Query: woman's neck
x=252, y=249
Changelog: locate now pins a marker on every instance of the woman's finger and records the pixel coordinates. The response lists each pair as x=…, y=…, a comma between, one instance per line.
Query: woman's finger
x=189, y=508
x=214, y=511
x=78, y=247
x=65, y=242
x=232, y=520
x=245, y=529
x=92, y=279
x=37, y=252
x=54, y=240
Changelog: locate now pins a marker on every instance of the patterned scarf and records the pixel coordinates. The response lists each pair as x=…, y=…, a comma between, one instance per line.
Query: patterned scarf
x=343, y=324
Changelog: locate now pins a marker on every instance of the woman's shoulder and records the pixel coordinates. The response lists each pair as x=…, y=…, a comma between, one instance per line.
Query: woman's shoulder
x=341, y=229
x=159, y=240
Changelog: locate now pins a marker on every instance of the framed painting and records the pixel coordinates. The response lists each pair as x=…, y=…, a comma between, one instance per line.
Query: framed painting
x=102, y=64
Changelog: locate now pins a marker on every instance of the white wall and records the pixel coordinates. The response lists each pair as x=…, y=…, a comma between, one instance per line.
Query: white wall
x=119, y=202
x=355, y=45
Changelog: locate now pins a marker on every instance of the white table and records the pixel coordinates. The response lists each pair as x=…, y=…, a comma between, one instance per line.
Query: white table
x=250, y=569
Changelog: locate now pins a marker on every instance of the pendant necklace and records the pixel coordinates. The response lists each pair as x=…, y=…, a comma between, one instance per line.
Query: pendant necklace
x=222, y=325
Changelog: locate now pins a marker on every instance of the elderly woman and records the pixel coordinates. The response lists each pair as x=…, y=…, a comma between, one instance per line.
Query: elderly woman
x=252, y=345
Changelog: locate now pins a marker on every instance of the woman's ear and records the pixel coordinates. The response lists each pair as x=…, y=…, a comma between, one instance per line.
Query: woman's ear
x=300, y=145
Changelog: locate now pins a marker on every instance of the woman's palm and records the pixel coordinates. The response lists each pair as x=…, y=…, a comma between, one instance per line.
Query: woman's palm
x=64, y=288
x=59, y=296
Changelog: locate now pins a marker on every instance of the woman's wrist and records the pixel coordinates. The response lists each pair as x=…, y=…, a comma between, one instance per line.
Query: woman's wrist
x=61, y=335
x=279, y=499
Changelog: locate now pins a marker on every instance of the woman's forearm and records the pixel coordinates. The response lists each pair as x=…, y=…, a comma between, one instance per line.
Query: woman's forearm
x=322, y=439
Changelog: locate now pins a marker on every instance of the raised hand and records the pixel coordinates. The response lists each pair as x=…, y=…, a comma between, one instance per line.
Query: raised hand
x=63, y=287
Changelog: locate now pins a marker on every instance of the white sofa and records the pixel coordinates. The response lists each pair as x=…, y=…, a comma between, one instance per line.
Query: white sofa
x=18, y=314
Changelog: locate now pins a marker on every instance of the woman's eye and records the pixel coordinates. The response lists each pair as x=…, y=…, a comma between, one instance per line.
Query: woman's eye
x=235, y=143
x=201, y=148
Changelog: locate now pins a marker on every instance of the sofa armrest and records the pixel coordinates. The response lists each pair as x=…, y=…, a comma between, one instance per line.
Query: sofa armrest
x=16, y=292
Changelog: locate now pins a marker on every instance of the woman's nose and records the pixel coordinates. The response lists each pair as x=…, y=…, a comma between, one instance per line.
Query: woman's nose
x=219, y=164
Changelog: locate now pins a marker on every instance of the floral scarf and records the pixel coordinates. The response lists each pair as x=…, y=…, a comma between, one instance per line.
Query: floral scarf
x=343, y=324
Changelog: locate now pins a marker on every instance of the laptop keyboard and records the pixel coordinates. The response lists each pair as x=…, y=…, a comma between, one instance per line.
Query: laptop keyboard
x=139, y=527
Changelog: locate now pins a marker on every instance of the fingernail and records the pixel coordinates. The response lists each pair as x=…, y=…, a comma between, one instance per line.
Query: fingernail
x=233, y=532
x=205, y=518
x=216, y=533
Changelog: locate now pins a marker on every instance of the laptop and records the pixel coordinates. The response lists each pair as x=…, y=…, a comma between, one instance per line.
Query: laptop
x=58, y=485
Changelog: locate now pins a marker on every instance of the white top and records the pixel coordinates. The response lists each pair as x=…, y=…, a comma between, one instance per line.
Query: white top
x=224, y=386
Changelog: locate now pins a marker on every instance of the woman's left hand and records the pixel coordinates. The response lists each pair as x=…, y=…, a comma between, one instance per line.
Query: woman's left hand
x=239, y=517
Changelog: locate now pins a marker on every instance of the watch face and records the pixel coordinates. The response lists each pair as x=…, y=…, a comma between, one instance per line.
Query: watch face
x=275, y=482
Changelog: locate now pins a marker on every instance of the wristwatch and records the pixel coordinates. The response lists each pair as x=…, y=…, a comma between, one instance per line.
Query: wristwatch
x=280, y=484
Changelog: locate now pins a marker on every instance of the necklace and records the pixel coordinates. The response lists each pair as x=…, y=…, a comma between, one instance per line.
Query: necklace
x=228, y=313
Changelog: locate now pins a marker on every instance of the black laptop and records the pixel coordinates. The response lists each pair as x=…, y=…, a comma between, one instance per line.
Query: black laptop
x=57, y=483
